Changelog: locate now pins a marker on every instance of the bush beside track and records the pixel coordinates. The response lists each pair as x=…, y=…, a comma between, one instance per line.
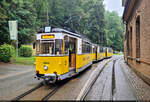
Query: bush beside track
x=6, y=52
x=25, y=51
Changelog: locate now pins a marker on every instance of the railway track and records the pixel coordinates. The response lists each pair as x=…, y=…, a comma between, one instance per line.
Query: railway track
x=53, y=91
x=40, y=92
x=95, y=79
x=43, y=93
x=28, y=92
x=92, y=83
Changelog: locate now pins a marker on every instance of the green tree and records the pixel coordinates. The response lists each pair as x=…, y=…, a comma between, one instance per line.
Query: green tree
x=4, y=36
x=83, y=16
x=24, y=13
x=114, y=30
x=96, y=23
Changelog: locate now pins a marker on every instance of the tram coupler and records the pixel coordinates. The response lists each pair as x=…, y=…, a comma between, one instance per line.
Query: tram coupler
x=49, y=79
x=37, y=78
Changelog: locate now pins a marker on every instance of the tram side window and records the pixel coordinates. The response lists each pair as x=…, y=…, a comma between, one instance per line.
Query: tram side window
x=38, y=46
x=89, y=48
x=66, y=44
x=94, y=49
x=105, y=49
x=110, y=50
x=86, y=47
x=101, y=49
x=58, y=46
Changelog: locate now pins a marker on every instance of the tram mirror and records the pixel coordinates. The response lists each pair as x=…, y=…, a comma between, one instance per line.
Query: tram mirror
x=34, y=45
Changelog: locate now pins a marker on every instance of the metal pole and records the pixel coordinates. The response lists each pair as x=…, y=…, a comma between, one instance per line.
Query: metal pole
x=17, y=41
x=17, y=47
x=47, y=16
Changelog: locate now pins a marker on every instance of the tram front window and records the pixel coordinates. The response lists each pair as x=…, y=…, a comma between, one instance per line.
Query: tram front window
x=51, y=47
x=47, y=48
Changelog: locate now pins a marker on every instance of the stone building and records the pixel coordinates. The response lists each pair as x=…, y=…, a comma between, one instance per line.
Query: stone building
x=136, y=18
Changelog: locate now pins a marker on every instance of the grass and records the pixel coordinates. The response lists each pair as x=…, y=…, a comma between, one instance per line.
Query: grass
x=24, y=60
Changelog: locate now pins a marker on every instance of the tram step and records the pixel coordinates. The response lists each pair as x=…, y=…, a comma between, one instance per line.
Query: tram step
x=72, y=74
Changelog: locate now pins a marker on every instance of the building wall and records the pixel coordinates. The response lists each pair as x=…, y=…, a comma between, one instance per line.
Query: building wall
x=142, y=67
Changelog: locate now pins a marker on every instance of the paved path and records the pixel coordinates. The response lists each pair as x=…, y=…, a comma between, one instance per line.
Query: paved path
x=10, y=70
x=15, y=79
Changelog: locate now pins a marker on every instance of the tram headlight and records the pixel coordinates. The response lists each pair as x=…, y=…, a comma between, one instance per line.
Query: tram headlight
x=45, y=67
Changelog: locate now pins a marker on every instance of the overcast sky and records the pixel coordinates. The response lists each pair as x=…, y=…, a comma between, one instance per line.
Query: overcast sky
x=114, y=5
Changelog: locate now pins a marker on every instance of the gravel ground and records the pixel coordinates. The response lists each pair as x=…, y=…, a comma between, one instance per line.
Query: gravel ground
x=111, y=84
x=140, y=88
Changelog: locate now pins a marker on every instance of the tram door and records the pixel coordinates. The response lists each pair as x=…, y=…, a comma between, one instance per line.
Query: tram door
x=96, y=53
x=106, y=52
x=72, y=53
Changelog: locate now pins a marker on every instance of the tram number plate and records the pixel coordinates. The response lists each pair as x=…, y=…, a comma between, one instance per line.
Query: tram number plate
x=45, y=62
x=47, y=36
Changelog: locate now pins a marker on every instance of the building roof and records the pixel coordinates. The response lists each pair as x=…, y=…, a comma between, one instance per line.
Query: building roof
x=128, y=4
x=123, y=3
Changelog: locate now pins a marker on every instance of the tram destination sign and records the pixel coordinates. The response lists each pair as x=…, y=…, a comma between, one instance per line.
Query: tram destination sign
x=47, y=36
x=13, y=30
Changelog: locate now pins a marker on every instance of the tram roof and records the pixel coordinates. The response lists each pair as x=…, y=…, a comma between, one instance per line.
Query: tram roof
x=60, y=30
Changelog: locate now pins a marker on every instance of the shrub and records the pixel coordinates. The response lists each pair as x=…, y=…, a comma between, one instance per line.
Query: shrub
x=25, y=51
x=6, y=52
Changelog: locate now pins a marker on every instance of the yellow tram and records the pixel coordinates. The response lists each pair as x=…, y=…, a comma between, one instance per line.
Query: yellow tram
x=97, y=52
x=107, y=52
x=61, y=54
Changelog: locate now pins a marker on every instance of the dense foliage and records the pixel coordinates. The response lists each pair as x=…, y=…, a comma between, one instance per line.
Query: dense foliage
x=114, y=31
x=25, y=51
x=6, y=52
x=84, y=16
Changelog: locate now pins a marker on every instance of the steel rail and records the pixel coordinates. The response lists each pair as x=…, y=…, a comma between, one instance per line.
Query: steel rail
x=50, y=94
x=45, y=98
x=28, y=92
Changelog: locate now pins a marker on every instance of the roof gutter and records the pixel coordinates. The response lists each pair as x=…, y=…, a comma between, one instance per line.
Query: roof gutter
x=126, y=9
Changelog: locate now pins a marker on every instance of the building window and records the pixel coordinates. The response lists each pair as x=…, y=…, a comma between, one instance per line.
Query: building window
x=128, y=48
x=138, y=37
x=130, y=41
